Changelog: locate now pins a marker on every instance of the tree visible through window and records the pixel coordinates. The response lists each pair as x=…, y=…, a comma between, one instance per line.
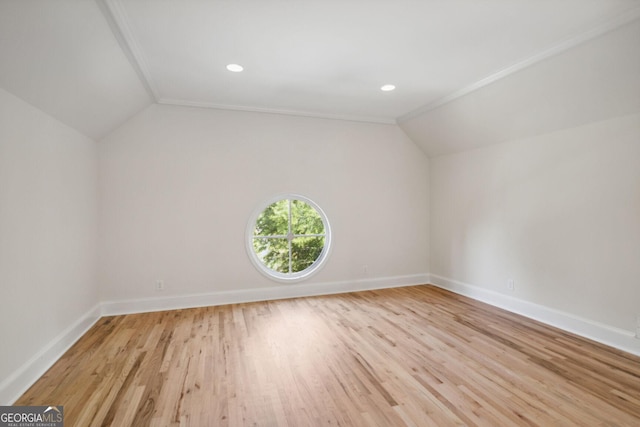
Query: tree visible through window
x=289, y=237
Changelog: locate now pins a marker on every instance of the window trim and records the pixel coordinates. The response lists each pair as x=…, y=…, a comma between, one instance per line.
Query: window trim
x=288, y=277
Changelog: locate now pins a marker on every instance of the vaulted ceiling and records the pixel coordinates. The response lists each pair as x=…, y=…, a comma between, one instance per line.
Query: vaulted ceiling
x=93, y=64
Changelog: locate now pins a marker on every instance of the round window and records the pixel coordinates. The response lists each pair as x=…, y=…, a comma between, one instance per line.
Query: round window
x=289, y=238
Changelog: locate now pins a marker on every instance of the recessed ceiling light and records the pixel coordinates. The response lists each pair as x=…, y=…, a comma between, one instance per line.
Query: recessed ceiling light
x=387, y=88
x=235, y=68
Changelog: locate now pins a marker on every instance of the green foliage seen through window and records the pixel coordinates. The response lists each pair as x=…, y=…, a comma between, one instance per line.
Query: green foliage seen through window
x=289, y=236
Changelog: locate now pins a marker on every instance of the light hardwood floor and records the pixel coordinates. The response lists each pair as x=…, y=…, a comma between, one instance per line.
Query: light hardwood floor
x=416, y=356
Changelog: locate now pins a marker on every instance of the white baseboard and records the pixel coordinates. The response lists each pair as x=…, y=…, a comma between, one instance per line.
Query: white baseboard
x=24, y=377
x=12, y=387
x=605, y=334
x=16, y=384
x=173, y=302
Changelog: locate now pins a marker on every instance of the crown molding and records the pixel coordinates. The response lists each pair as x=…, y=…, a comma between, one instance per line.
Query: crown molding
x=115, y=15
x=300, y=113
x=606, y=27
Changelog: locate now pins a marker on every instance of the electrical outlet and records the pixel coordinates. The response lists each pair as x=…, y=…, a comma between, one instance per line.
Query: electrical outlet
x=365, y=269
x=511, y=285
x=159, y=285
x=638, y=327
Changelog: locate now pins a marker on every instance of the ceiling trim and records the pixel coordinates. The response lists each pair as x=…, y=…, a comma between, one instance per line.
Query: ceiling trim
x=300, y=113
x=608, y=26
x=113, y=12
x=115, y=15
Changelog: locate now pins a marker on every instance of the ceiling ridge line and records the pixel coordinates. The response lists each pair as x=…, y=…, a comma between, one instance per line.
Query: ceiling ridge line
x=299, y=113
x=115, y=16
x=569, y=43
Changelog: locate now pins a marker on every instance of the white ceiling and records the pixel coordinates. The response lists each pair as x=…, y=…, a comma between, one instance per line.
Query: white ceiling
x=92, y=64
x=61, y=56
x=594, y=81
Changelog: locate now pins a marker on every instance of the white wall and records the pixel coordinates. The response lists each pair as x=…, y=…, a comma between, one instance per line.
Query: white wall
x=178, y=185
x=48, y=219
x=558, y=213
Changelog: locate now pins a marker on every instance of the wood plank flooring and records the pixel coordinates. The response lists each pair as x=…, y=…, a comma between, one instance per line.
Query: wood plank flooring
x=414, y=356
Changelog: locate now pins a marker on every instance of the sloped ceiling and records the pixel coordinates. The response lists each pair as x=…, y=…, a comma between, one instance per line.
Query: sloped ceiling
x=593, y=81
x=62, y=57
x=93, y=64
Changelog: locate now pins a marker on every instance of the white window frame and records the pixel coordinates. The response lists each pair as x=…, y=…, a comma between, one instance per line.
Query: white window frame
x=288, y=277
